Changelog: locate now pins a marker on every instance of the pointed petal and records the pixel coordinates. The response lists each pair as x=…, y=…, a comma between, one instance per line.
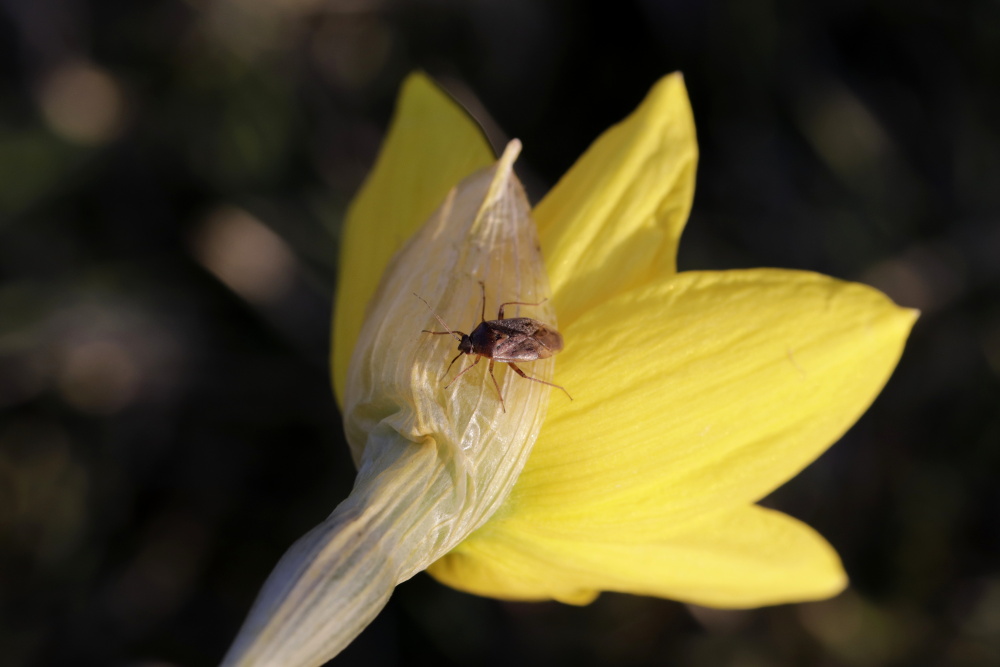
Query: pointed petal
x=623, y=205
x=743, y=557
x=432, y=144
x=705, y=391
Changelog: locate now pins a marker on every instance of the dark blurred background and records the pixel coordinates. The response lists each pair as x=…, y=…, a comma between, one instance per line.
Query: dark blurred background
x=173, y=176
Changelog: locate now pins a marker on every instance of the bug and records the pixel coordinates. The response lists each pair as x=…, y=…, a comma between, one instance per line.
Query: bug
x=505, y=339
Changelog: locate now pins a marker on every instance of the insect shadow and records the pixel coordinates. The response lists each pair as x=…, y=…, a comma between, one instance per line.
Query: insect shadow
x=505, y=340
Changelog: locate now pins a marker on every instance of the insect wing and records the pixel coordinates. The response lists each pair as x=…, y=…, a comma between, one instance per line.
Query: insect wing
x=519, y=347
x=527, y=340
x=550, y=339
x=513, y=326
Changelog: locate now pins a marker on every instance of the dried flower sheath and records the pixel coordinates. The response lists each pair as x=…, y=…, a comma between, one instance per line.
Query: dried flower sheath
x=433, y=462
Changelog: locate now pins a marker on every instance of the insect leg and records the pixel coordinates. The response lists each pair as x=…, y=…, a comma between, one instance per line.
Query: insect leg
x=493, y=377
x=453, y=363
x=528, y=377
x=517, y=303
x=464, y=371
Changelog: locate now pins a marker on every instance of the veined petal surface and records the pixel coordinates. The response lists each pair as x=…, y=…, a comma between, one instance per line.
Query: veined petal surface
x=432, y=144
x=615, y=219
x=695, y=394
x=706, y=390
x=742, y=557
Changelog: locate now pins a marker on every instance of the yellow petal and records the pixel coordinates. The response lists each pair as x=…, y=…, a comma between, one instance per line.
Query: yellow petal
x=706, y=390
x=432, y=144
x=743, y=557
x=615, y=218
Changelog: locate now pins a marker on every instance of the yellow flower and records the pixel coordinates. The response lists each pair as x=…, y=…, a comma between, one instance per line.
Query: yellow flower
x=696, y=393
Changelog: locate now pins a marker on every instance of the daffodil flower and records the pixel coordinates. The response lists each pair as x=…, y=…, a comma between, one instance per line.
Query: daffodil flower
x=696, y=393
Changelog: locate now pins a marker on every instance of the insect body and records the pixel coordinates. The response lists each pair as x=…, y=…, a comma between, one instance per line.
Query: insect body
x=505, y=340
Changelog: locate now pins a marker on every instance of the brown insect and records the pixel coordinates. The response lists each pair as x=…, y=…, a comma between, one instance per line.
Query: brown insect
x=505, y=340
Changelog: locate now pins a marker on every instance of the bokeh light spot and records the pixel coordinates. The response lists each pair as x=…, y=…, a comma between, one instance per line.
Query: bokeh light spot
x=83, y=103
x=245, y=255
x=98, y=376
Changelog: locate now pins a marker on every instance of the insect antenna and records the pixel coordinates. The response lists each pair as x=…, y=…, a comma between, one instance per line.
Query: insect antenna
x=458, y=335
x=482, y=286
